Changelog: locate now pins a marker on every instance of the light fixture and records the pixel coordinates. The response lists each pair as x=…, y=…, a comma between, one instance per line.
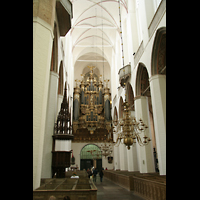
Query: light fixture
x=106, y=146
x=106, y=149
x=131, y=129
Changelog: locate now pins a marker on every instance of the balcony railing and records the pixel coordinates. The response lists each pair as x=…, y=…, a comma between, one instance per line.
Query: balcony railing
x=157, y=17
x=124, y=74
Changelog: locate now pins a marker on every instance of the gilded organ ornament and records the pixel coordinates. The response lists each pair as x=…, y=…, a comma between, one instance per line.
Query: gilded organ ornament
x=91, y=108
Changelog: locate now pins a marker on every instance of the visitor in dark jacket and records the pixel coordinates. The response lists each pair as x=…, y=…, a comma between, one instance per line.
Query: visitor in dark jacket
x=95, y=174
x=101, y=175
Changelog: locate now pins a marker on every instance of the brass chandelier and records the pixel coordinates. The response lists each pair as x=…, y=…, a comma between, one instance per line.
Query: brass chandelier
x=131, y=129
x=106, y=147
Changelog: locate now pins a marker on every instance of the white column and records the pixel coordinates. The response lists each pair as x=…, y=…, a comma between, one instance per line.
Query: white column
x=122, y=154
x=132, y=154
x=123, y=157
x=143, y=22
x=132, y=159
x=42, y=48
x=132, y=31
x=116, y=160
x=146, y=160
x=105, y=162
x=49, y=128
x=158, y=96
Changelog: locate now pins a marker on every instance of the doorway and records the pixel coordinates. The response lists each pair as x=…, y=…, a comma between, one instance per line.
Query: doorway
x=90, y=156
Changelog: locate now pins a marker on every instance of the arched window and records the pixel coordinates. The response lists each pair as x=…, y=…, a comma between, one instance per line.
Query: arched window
x=158, y=58
x=54, y=55
x=130, y=96
x=60, y=83
x=121, y=109
x=142, y=81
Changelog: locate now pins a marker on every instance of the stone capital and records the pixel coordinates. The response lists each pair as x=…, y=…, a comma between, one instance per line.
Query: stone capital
x=139, y=97
x=157, y=76
x=54, y=74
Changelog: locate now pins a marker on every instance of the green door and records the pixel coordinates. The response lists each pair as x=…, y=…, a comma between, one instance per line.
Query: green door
x=89, y=153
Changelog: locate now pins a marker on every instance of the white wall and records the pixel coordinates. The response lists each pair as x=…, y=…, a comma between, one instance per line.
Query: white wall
x=42, y=46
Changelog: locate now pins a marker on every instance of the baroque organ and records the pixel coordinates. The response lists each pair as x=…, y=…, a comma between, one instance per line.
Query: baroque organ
x=91, y=109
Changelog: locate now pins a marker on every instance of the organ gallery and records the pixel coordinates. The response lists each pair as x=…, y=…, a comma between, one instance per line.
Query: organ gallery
x=92, y=109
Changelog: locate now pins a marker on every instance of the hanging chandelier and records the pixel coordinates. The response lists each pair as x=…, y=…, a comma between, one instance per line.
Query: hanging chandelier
x=131, y=129
x=106, y=148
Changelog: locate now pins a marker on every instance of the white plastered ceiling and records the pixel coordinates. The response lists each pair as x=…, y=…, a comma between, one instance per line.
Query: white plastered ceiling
x=95, y=29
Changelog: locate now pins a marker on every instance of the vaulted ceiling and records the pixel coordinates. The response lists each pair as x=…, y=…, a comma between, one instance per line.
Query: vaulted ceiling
x=95, y=25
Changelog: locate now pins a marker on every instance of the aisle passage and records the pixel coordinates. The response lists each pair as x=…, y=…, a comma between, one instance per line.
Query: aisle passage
x=107, y=190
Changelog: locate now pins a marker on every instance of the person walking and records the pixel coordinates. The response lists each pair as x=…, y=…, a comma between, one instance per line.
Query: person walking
x=101, y=175
x=89, y=173
x=66, y=198
x=94, y=174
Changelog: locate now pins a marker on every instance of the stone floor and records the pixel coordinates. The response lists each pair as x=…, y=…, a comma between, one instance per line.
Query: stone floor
x=107, y=190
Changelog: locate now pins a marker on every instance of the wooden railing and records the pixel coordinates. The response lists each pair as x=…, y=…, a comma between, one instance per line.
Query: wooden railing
x=149, y=189
x=150, y=186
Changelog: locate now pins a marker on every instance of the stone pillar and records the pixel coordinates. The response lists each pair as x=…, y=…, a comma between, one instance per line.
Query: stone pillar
x=146, y=159
x=132, y=154
x=158, y=97
x=49, y=128
x=123, y=157
x=143, y=22
x=132, y=158
x=42, y=48
x=116, y=160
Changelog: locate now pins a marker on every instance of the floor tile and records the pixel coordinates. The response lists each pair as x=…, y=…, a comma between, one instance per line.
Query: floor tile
x=107, y=190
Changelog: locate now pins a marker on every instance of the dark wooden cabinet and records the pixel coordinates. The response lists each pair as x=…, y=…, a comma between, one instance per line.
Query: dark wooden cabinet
x=60, y=161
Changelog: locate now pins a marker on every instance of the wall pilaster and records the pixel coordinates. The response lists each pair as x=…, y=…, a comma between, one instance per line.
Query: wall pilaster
x=146, y=160
x=158, y=97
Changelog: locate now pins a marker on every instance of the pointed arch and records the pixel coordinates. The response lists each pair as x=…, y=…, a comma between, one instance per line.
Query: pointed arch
x=158, y=56
x=115, y=117
x=61, y=79
x=54, y=55
x=121, y=108
x=130, y=96
x=142, y=81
